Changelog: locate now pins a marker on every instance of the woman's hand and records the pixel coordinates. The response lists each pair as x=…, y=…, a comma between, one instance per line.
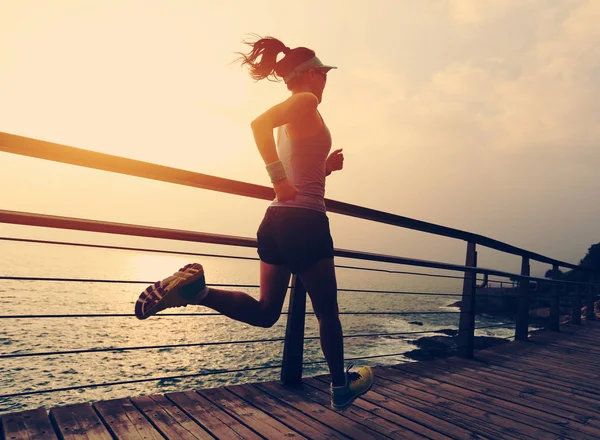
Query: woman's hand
x=334, y=162
x=285, y=191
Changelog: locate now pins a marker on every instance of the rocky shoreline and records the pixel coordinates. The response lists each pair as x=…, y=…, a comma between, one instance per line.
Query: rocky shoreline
x=435, y=347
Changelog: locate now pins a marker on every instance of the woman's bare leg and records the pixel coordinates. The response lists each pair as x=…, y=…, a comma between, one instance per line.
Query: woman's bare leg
x=321, y=285
x=242, y=307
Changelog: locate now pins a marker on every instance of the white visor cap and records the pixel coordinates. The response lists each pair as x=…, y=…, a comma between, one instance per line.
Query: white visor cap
x=313, y=63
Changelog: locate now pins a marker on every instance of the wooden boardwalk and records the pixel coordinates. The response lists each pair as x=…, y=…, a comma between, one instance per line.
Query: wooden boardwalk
x=548, y=388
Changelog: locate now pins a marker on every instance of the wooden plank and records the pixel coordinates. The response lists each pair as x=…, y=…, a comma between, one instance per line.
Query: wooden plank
x=582, y=339
x=324, y=414
x=32, y=424
x=534, y=426
x=517, y=370
x=568, y=366
x=537, y=346
x=578, y=360
x=382, y=406
x=482, y=367
x=586, y=404
x=251, y=416
x=416, y=415
x=522, y=370
x=474, y=397
x=564, y=354
x=125, y=421
x=590, y=354
x=169, y=419
x=525, y=400
x=556, y=355
x=577, y=340
x=286, y=414
x=475, y=420
x=211, y=417
x=402, y=431
x=496, y=391
x=589, y=328
x=529, y=363
x=353, y=412
x=78, y=422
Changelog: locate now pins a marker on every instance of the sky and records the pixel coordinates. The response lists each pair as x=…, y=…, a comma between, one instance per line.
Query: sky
x=481, y=115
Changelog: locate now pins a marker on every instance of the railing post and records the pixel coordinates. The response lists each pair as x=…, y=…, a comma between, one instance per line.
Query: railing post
x=466, y=327
x=293, y=348
x=595, y=290
x=589, y=313
x=522, y=325
x=555, y=301
x=576, y=311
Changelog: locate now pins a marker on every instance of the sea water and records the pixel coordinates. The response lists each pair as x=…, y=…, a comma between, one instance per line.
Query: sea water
x=51, y=371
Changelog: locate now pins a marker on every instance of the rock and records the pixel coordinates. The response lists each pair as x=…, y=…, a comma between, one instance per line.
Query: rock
x=434, y=347
x=447, y=331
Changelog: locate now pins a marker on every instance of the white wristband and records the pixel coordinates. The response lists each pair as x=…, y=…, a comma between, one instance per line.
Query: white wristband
x=276, y=171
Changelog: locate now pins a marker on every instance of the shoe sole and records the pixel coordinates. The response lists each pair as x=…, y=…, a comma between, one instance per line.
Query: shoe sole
x=160, y=291
x=346, y=405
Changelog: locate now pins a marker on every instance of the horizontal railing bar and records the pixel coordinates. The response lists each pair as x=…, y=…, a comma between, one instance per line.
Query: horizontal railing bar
x=126, y=248
x=104, y=315
x=24, y=146
x=43, y=220
x=125, y=382
x=78, y=224
x=436, y=265
x=399, y=292
x=400, y=272
x=143, y=347
x=129, y=315
x=246, y=286
x=255, y=286
x=91, y=280
x=196, y=344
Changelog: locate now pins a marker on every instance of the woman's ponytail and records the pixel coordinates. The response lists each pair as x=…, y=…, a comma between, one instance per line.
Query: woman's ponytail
x=267, y=50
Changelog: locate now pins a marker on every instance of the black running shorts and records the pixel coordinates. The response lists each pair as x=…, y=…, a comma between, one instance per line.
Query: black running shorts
x=294, y=237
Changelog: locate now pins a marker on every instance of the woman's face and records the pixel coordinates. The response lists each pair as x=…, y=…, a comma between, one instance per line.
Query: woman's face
x=318, y=79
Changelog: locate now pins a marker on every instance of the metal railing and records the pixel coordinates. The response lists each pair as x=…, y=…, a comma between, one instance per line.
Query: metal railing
x=291, y=367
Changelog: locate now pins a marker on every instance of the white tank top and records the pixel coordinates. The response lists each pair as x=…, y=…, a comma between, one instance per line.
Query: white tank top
x=304, y=163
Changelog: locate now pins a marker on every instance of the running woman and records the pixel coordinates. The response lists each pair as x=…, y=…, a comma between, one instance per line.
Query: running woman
x=294, y=235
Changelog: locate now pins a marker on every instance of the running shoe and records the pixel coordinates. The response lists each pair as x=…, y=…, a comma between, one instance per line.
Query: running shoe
x=186, y=286
x=357, y=384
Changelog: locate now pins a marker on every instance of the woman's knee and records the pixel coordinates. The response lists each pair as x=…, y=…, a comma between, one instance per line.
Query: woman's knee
x=268, y=317
x=328, y=314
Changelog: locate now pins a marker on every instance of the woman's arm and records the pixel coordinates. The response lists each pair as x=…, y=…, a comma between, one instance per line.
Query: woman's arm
x=292, y=110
